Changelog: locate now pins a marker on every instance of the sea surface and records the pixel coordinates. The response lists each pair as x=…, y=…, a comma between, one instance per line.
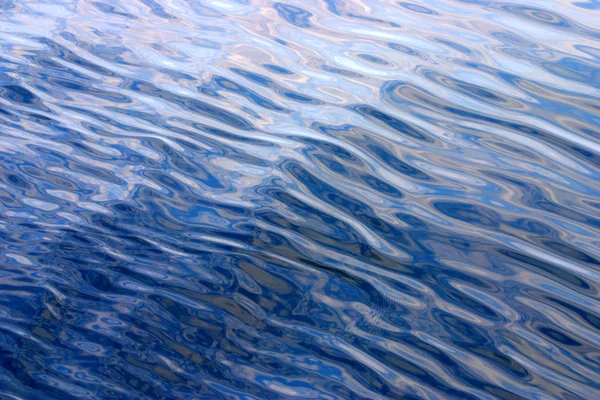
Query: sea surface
x=299, y=199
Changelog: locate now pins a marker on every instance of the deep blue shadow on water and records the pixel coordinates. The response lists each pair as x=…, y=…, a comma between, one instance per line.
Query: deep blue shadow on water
x=256, y=199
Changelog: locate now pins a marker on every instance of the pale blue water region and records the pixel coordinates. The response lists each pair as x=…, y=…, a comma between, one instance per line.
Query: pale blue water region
x=299, y=199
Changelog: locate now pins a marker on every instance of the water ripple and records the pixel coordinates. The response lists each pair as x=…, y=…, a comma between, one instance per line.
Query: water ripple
x=257, y=199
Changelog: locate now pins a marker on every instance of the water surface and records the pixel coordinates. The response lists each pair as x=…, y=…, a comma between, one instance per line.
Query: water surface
x=311, y=199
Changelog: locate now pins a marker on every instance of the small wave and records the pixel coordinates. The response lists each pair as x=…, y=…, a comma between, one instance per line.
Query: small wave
x=257, y=199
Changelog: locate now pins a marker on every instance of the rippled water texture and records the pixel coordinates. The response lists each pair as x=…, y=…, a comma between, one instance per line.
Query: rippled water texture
x=311, y=199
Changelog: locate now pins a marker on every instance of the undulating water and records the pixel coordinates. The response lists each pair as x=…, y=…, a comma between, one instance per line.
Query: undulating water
x=311, y=199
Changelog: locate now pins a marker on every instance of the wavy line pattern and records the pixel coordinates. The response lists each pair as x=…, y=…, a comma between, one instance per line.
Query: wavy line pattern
x=310, y=199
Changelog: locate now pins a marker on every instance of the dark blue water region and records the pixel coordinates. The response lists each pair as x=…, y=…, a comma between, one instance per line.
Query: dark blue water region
x=299, y=199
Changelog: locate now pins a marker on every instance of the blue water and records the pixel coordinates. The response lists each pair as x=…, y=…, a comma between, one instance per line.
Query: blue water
x=305, y=199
